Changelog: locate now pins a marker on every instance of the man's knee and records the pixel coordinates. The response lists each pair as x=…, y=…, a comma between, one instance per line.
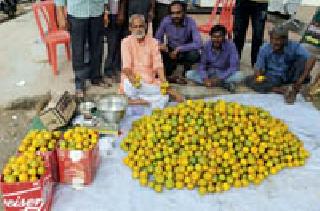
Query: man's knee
x=193, y=56
x=194, y=76
x=129, y=90
x=189, y=57
x=262, y=87
x=236, y=77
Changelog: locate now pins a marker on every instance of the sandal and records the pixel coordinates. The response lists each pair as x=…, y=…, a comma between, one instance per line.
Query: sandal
x=100, y=83
x=290, y=96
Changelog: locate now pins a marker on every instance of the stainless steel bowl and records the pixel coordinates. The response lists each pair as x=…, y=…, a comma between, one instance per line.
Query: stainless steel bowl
x=86, y=108
x=112, y=108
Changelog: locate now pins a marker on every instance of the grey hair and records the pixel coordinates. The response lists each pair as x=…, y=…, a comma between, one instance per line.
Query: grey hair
x=136, y=16
x=279, y=31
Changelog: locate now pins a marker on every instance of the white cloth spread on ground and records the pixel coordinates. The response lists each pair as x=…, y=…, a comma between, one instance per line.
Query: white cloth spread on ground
x=291, y=189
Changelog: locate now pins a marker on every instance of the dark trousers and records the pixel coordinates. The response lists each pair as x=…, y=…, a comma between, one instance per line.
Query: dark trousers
x=90, y=31
x=184, y=58
x=291, y=76
x=114, y=35
x=258, y=13
x=161, y=10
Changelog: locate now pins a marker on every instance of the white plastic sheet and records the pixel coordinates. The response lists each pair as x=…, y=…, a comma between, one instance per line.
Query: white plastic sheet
x=291, y=189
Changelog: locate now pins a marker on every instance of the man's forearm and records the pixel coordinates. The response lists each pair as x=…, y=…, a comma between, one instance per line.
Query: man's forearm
x=60, y=11
x=122, y=7
x=152, y=6
x=307, y=69
x=161, y=75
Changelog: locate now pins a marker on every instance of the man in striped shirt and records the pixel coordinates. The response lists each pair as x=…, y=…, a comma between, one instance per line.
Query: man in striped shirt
x=86, y=21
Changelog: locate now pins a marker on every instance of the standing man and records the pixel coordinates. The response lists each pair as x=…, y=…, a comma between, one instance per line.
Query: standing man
x=86, y=21
x=130, y=7
x=182, y=42
x=114, y=34
x=257, y=10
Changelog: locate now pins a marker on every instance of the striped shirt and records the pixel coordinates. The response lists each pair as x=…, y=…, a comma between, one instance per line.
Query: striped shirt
x=83, y=8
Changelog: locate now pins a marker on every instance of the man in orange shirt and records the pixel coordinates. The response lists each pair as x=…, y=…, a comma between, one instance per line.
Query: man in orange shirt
x=142, y=67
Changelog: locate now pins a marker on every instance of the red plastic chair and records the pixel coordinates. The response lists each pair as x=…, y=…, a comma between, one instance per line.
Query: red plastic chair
x=225, y=18
x=53, y=36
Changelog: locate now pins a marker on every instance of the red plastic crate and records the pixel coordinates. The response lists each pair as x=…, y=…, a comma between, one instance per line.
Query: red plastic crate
x=28, y=195
x=51, y=159
x=78, y=167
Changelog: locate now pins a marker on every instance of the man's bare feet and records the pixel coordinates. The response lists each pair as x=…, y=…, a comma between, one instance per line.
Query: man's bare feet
x=290, y=95
x=137, y=102
x=176, y=95
x=100, y=83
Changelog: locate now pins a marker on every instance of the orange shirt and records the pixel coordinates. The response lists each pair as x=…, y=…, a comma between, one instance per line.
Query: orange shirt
x=143, y=58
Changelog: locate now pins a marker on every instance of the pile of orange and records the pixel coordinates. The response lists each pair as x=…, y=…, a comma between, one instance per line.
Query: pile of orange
x=211, y=146
x=39, y=140
x=79, y=138
x=26, y=167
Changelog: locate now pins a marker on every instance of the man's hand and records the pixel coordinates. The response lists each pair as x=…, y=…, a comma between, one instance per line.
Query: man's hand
x=131, y=78
x=211, y=82
x=258, y=73
x=106, y=18
x=207, y=82
x=120, y=19
x=150, y=15
x=163, y=48
x=173, y=55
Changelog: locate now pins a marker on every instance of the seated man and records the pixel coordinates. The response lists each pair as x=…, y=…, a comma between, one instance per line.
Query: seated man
x=180, y=40
x=219, y=63
x=281, y=62
x=142, y=67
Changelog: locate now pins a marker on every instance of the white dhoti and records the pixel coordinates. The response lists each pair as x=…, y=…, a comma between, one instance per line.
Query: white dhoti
x=148, y=92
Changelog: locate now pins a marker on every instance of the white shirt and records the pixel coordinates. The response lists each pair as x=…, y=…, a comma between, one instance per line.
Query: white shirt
x=166, y=1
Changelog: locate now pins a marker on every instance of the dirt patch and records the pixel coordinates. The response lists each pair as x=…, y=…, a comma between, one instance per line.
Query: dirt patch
x=13, y=126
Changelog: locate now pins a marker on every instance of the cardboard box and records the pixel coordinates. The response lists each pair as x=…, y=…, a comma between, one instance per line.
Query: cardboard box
x=58, y=111
x=28, y=195
x=78, y=167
